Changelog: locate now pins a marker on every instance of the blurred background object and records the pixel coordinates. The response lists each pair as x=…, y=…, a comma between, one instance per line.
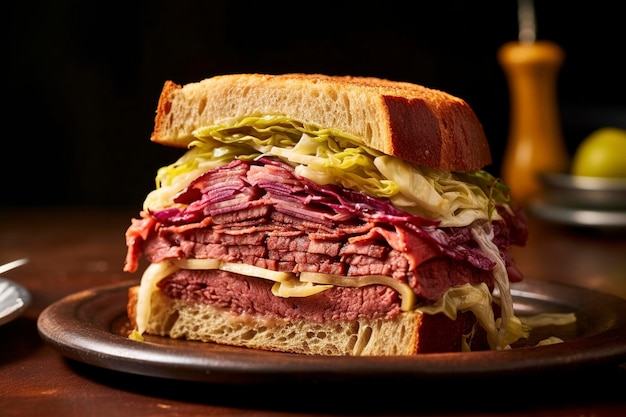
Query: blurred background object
x=535, y=143
x=83, y=78
x=593, y=191
x=601, y=154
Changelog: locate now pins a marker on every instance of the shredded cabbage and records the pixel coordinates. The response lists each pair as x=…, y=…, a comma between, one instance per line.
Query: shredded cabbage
x=552, y=340
x=549, y=319
x=510, y=327
x=467, y=297
x=501, y=332
x=327, y=156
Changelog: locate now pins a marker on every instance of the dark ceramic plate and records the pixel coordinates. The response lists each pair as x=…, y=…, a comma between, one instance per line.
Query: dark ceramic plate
x=92, y=327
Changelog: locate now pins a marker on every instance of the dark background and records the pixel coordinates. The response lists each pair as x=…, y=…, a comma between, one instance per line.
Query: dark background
x=83, y=78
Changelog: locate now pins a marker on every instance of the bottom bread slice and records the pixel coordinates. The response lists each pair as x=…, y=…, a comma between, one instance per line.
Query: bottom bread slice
x=406, y=334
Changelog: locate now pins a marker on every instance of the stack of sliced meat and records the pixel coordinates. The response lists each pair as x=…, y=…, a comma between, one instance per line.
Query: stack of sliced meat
x=260, y=213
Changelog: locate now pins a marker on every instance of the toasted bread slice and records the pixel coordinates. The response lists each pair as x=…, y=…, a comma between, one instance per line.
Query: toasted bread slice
x=406, y=334
x=418, y=124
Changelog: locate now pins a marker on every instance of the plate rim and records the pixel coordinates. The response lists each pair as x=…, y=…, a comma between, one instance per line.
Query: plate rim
x=93, y=341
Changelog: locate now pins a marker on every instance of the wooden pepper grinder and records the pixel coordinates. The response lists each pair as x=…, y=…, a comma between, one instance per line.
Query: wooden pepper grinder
x=535, y=143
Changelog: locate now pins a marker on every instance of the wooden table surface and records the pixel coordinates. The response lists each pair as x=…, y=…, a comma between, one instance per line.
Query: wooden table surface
x=73, y=249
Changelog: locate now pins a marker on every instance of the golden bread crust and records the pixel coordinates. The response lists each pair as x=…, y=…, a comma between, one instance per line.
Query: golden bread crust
x=425, y=126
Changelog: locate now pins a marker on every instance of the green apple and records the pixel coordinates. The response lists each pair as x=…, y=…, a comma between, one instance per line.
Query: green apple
x=602, y=154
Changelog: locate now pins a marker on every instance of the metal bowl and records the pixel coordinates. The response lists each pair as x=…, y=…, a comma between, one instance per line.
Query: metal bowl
x=584, y=192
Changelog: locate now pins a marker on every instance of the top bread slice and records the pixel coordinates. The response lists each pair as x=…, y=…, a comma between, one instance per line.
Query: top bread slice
x=421, y=125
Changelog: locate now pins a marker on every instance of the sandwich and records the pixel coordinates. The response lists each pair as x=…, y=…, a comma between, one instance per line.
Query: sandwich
x=324, y=215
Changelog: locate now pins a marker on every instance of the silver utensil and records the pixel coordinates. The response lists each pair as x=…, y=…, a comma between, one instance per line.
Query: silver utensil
x=12, y=265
